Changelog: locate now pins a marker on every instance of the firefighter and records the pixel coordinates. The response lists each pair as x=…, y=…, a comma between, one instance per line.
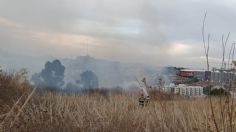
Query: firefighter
x=142, y=100
x=147, y=99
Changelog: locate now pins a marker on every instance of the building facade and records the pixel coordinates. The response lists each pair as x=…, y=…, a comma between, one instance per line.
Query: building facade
x=191, y=91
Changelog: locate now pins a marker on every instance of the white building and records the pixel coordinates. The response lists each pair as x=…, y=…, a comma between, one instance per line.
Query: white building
x=168, y=88
x=192, y=91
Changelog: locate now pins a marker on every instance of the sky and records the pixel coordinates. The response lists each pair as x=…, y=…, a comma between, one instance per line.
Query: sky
x=153, y=32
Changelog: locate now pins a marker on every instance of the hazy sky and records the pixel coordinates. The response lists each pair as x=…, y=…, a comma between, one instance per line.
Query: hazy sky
x=157, y=32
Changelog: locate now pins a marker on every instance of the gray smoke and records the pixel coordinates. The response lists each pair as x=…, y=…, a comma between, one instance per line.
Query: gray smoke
x=167, y=74
x=86, y=72
x=51, y=76
x=110, y=74
x=88, y=80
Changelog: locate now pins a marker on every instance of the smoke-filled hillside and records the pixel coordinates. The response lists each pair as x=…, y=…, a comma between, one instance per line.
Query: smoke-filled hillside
x=110, y=73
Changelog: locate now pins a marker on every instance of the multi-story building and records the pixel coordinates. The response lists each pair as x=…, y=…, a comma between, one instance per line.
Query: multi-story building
x=216, y=75
x=192, y=91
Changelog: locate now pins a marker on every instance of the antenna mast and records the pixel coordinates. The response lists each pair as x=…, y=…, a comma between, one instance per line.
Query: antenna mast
x=87, y=48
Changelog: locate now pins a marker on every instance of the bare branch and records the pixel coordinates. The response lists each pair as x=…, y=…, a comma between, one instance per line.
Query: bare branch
x=206, y=48
x=207, y=53
x=230, y=52
x=223, y=53
x=227, y=38
x=224, y=44
x=232, y=57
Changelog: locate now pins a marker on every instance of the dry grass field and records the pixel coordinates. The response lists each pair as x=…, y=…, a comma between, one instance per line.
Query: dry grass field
x=52, y=112
x=31, y=111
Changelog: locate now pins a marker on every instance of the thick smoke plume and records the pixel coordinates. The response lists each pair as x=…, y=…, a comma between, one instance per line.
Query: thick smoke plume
x=112, y=74
x=84, y=73
x=51, y=76
x=88, y=80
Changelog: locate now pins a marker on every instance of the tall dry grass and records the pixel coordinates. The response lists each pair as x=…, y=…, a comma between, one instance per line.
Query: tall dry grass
x=54, y=112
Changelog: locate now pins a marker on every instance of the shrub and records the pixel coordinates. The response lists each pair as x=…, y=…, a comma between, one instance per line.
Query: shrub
x=13, y=85
x=217, y=92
